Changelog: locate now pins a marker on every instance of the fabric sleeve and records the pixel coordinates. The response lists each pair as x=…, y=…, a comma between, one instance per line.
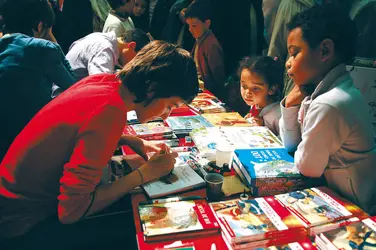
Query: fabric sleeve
x=117, y=29
x=102, y=62
x=96, y=141
x=57, y=68
x=289, y=127
x=325, y=130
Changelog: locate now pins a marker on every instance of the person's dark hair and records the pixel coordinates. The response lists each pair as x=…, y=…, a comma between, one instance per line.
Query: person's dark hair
x=329, y=21
x=138, y=36
x=163, y=69
x=199, y=9
x=117, y=3
x=23, y=16
x=271, y=70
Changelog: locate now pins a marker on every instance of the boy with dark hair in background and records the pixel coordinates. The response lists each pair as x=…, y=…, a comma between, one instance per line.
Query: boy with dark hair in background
x=119, y=20
x=100, y=52
x=207, y=52
x=29, y=66
x=325, y=118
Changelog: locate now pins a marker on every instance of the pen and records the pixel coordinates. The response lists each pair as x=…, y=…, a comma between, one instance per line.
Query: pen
x=181, y=149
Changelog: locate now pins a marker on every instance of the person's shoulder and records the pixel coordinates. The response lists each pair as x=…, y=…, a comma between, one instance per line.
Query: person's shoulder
x=211, y=42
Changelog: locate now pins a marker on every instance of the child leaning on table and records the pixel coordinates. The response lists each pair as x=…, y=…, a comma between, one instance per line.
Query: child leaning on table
x=325, y=118
x=261, y=85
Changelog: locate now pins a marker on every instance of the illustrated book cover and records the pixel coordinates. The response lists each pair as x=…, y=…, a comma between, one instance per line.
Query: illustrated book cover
x=230, y=119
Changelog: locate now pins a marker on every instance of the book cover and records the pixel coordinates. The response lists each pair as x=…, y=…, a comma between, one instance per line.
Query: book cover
x=261, y=166
x=207, y=103
x=182, y=178
x=255, y=219
x=207, y=139
x=185, y=218
x=187, y=123
x=312, y=231
x=148, y=129
x=197, y=243
x=313, y=206
x=227, y=119
x=359, y=235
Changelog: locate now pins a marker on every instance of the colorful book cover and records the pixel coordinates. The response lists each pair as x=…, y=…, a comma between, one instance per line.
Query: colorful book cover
x=182, y=178
x=233, y=119
x=255, y=219
x=207, y=139
x=312, y=231
x=187, y=123
x=207, y=103
x=262, y=166
x=359, y=235
x=313, y=206
x=148, y=129
x=163, y=221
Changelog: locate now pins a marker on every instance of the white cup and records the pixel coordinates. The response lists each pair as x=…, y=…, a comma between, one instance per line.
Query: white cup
x=223, y=155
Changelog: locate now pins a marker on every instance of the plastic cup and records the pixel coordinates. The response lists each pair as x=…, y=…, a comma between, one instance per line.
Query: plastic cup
x=214, y=184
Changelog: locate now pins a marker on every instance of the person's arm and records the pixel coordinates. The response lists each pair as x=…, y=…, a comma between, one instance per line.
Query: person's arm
x=102, y=62
x=289, y=127
x=56, y=67
x=325, y=130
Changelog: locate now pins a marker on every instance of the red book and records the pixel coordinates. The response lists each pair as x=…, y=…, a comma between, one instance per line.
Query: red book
x=256, y=219
x=197, y=243
x=168, y=219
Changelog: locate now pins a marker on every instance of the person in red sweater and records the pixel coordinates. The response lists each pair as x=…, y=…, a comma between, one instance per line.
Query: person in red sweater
x=54, y=166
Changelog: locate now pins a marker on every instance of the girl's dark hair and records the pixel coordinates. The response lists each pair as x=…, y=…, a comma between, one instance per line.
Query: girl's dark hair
x=271, y=70
x=330, y=21
x=117, y=3
x=23, y=16
x=163, y=69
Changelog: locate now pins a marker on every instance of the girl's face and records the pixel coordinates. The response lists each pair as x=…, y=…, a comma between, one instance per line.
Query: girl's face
x=139, y=7
x=253, y=89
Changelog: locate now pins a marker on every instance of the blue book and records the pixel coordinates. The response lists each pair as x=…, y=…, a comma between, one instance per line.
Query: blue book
x=267, y=166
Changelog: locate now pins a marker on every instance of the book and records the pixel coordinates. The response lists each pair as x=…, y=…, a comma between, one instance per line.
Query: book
x=197, y=243
x=177, y=219
x=314, y=206
x=313, y=231
x=255, y=219
x=182, y=178
x=264, y=167
x=358, y=235
x=227, y=119
x=207, y=103
x=186, y=124
x=206, y=139
x=147, y=130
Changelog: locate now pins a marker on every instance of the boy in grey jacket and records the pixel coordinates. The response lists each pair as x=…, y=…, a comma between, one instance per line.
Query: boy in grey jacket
x=325, y=118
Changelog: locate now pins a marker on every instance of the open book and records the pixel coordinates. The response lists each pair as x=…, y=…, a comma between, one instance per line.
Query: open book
x=182, y=178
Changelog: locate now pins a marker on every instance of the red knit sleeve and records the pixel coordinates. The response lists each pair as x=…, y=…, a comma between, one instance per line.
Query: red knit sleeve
x=96, y=141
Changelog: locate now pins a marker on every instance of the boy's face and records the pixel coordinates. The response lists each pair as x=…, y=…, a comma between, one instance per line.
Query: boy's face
x=160, y=107
x=139, y=7
x=197, y=27
x=127, y=8
x=253, y=89
x=304, y=63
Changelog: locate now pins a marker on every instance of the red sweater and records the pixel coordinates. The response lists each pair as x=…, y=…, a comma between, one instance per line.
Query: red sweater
x=56, y=162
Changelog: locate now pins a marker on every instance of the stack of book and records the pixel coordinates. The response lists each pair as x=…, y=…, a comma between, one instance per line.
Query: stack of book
x=183, y=125
x=173, y=218
x=259, y=222
x=320, y=209
x=267, y=171
x=149, y=131
x=207, y=139
x=207, y=103
x=358, y=235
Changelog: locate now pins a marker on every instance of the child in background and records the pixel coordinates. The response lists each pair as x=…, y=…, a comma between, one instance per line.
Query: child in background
x=140, y=15
x=325, y=118
x=261, y=85
x=207, y=52
x=118, y=19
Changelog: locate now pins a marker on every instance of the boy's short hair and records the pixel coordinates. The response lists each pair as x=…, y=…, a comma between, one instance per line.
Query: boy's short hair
x=329, y=21
x=117, y=3
x=163, y=69
x=23, y=16
x=271, y=70
x=199, y=9
x=138, y=36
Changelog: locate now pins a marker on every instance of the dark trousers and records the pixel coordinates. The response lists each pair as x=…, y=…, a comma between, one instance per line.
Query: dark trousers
x=112, y=230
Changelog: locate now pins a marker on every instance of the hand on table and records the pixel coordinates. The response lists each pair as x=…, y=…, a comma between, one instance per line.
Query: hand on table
x=256, y=121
